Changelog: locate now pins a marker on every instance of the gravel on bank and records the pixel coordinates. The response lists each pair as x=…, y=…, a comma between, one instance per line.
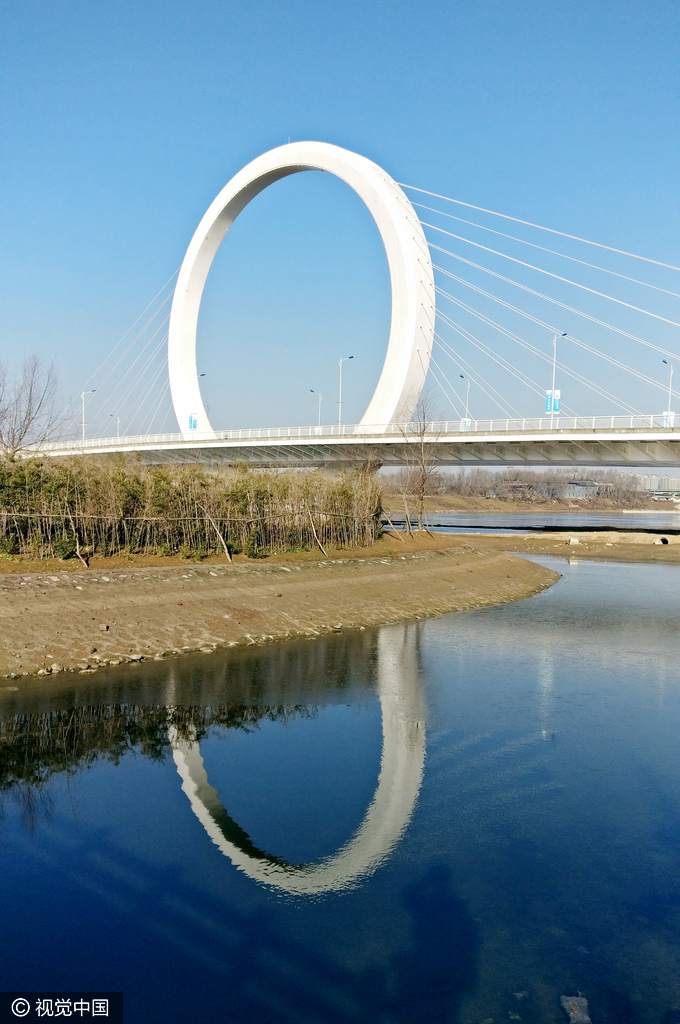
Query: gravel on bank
x=64, y=620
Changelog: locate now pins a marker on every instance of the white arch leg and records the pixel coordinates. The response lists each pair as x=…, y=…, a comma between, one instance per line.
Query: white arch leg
x=410, y=267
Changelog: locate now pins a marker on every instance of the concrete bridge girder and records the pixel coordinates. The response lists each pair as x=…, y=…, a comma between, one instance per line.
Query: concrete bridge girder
x=596, y=448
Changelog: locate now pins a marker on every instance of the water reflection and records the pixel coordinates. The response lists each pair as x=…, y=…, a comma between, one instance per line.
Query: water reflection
x=401, y=772
x=543, y=856
x=60, y=736
x=523, y=522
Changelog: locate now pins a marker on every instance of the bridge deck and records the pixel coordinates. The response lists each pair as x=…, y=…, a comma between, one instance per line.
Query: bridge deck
x=581, y=441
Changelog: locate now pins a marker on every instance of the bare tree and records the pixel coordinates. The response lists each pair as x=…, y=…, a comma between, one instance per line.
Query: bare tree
x=420, y=461
x=27, y=406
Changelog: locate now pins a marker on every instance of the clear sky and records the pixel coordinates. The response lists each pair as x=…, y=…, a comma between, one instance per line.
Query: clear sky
x=121, y=121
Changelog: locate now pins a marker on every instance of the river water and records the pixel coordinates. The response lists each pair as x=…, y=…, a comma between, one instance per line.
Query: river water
x=458, y=820
x=530, y=522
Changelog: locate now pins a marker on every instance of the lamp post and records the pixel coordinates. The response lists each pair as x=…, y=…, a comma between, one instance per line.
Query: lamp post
x=115, y=417
x=82, y=408
x=319, y=399
x=554, y=372
x=669, y=413
x=467, y=394
x=344, y=359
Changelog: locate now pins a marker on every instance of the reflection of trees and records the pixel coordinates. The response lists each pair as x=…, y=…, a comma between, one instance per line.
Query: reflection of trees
x=35, y=746
x=133, y=709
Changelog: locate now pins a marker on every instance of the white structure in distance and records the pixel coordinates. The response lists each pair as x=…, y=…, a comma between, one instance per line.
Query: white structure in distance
x=413, y=298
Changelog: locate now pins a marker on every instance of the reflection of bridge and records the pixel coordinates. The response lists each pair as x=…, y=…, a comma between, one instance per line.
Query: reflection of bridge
x=401, y=772
x=569, y=441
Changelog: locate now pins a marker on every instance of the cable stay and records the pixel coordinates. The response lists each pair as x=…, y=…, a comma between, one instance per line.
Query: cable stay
x=478, y=379
x=150, y=355
x=126, y=335
x=555, y=302
x=452, y=400
x=162, y=370
x=554, y=330
x=574, y=374
x=472, y=373
x=556, y=277
x=436, y=371
x=542, y=227
x=499, y=360
x=165, y=393
x=551, y=252
x=135, y=341
x=592, y=385
x=507, y=410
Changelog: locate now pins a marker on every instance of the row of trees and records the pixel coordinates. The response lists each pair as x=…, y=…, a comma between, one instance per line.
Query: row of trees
x=613, y=486
x=78, y=507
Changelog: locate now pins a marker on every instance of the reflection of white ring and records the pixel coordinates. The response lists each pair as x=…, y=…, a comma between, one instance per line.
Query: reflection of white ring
x=412, y=321
x=21, y=1007
x=401, y=771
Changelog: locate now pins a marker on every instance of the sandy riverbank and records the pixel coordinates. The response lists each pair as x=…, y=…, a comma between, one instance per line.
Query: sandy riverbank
x=449, y=504
x=605, y=546
x=85, y=619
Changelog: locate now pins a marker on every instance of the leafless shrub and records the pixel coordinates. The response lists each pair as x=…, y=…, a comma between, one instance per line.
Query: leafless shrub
x=27, y=406
x=420, y=470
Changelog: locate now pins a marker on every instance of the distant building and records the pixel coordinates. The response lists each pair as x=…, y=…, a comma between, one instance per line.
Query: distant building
x=661, y=486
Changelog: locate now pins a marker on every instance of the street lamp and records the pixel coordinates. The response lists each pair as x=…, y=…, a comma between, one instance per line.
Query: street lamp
x=320, y=400
x=82, y=407
x=554, y=371
x=467, y=394
x=340, y=362
x=669, y=364
x=115, y=417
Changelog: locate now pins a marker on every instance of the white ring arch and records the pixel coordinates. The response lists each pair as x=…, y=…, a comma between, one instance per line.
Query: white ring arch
x=413, y=298
x=401, y=773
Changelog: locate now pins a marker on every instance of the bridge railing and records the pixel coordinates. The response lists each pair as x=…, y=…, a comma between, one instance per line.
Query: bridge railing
x=407, y=431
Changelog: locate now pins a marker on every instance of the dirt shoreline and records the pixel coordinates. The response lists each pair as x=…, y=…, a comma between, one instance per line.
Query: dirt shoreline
x=65, y=620
x=601, y=546
x=60, y=617
x=452, y=504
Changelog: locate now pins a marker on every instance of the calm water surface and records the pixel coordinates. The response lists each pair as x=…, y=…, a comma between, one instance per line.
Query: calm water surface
x=528, y=522
x=453, y=820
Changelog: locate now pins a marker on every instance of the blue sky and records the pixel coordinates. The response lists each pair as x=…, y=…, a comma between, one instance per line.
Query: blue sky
x=120, y=122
